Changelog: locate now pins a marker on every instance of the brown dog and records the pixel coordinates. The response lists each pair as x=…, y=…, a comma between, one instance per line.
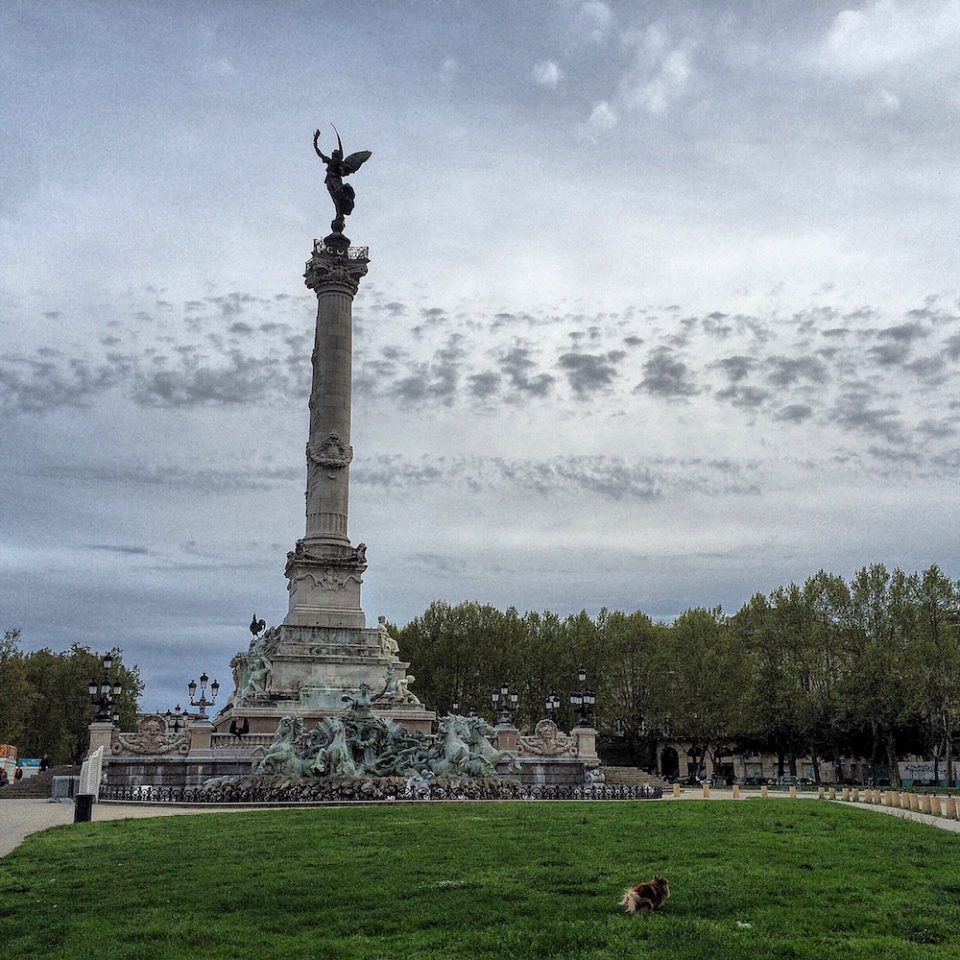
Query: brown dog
x=646, y=896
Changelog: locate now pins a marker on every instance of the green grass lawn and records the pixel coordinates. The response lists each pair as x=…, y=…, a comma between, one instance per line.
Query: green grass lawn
x=510, y=881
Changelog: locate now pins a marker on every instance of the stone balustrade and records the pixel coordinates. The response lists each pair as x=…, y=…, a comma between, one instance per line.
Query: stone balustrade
x=249, y=741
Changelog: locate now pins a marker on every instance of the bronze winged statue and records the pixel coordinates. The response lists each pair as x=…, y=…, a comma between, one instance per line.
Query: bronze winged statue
x=338, y=167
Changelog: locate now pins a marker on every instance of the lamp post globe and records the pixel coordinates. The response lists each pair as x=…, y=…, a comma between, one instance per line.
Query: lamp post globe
x=105, y=692
x=202, y=702
x=505, y=701
x=582, y=699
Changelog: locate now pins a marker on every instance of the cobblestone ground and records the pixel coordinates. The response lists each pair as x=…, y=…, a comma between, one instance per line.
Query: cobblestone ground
x=20, y=818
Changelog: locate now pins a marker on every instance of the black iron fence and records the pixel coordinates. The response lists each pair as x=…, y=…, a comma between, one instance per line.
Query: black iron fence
x=271, y=794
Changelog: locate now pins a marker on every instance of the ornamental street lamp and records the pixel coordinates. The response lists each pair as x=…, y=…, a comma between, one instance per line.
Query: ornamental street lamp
x=553, y=704
x=104, y=691
x=504, y=701
x=583, y=699
x=203, y=702
x=175, y=716
x=456, y=707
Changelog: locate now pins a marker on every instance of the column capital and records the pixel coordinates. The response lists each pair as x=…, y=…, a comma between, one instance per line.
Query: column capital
x=336, y=265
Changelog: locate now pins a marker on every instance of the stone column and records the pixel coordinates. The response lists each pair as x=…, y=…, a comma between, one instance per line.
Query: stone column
x=325, y=571
x=101, y=735
x=201, y=731
x=334, y=275
x=508, y=737
x=586, y=738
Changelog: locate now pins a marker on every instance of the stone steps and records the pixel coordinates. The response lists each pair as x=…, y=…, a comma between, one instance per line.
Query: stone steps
x=632, y=776
x=39, y=787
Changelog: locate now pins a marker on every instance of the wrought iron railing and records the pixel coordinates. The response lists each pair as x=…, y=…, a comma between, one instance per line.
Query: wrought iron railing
x=270, y=794
x=353, y=253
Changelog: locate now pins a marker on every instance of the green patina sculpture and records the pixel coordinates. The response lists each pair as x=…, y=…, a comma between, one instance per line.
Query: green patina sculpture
x=362, y=744
x=251, y=670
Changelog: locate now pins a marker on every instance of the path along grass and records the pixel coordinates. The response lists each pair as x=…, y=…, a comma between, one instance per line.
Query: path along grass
x=748, y=879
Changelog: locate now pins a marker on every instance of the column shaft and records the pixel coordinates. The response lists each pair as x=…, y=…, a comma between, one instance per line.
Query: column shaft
x=329, y=451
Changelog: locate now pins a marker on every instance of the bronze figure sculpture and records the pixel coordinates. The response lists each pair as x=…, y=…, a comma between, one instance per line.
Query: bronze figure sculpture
x=338, y=167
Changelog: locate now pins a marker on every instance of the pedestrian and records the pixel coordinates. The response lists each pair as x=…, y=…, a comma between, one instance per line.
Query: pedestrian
x=44, y=763
x=18, y=774
x=4, y=779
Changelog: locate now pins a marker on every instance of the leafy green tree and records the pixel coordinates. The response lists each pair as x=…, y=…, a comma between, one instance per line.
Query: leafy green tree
x=15, y=691
x=460, y=652
x=57, y=710
x=884, y=682
x=827, y=595
x=709, y=676
x=937, y=601
x=627, y=702
x=792, y=650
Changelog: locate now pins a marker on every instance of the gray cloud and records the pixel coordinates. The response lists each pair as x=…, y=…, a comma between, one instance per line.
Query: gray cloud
x=610, y=478
x=937, y=429
x=928, y=368
x=588, y=372
x=667, y=376
x=437, y=380
x=517, y=365
x=737, y=367
x=31, y=385
x=124, y=550
x=243, y=380
x=855, y=411
x=786, y=371
x=890, y=354
x=952, y=347
x=794, y=413
x=745, y=397
x=904, y=332
x=484, y=385
x=221, y=480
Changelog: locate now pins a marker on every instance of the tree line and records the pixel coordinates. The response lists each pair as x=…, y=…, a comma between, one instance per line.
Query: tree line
x=45, y=705
x=866, y=669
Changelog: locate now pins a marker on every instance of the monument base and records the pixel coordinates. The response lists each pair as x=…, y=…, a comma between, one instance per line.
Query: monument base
x=312, y=672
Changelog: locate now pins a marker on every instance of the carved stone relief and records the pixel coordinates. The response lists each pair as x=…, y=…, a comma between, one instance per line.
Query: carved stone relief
x=548, y=741
x=330, y=454
x=153, y=738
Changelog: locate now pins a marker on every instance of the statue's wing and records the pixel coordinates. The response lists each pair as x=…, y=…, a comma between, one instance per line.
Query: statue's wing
x=355, y=161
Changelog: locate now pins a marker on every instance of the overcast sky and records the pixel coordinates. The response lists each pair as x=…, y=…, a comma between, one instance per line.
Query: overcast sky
x=662, y=307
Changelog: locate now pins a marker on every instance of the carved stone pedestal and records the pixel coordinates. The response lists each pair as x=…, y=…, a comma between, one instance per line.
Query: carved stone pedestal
x=201, y=731
x=586, y=744
x=101, y=735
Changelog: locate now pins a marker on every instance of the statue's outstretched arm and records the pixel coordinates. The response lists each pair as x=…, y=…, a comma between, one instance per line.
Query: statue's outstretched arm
x=316, y=146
